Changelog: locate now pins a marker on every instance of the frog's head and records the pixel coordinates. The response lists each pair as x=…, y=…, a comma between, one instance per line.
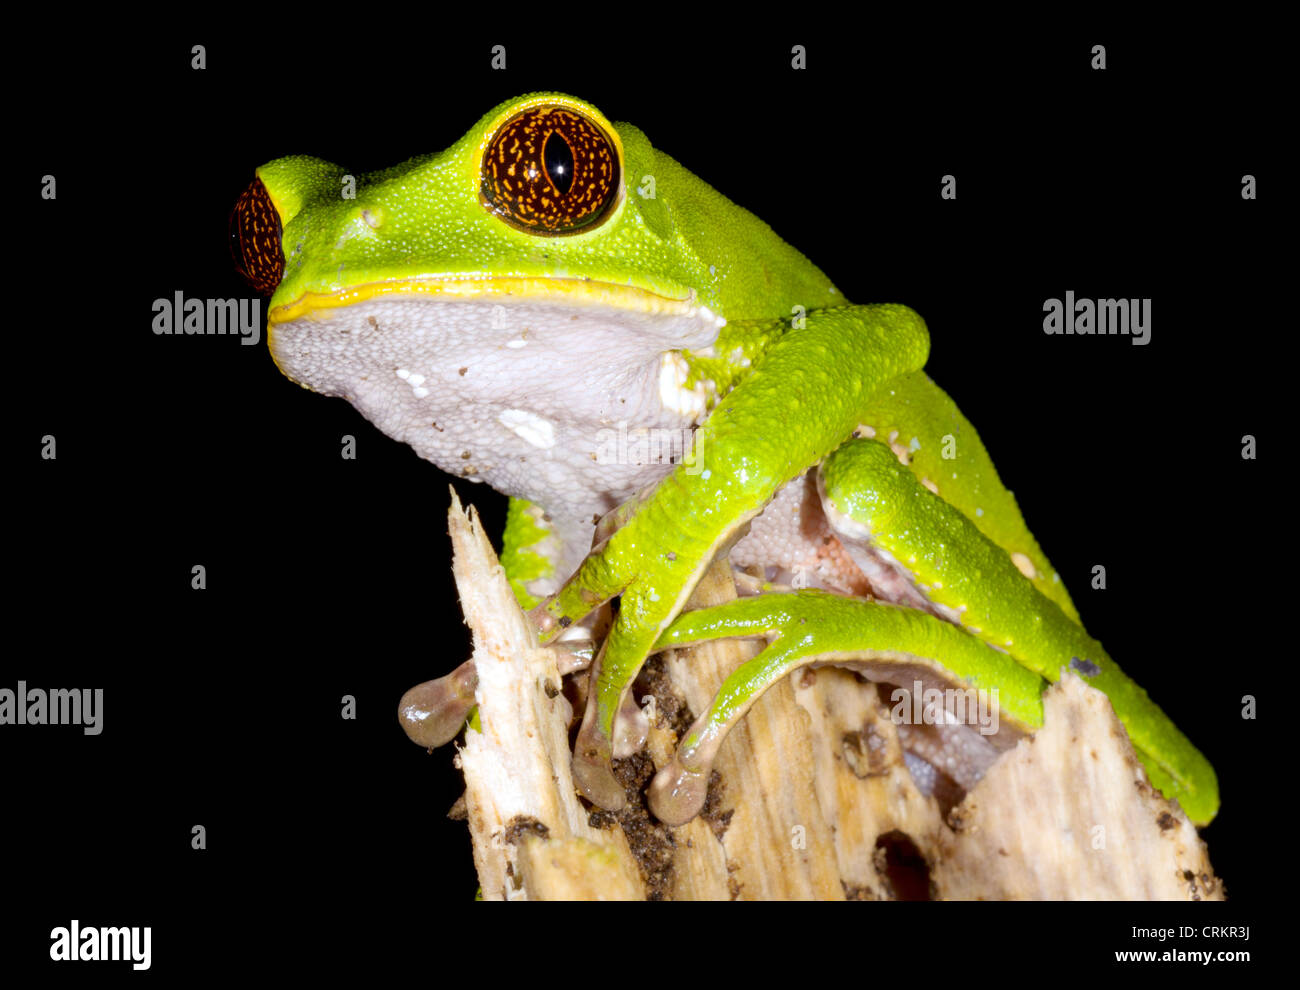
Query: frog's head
x=545, y=240
x=543, y=189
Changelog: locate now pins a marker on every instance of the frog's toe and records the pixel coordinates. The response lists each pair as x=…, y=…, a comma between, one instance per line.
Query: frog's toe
x=591, y=765
x=543, y=621
x=677, y=793
x=572, y=659
x=631, y=729
x=593, y=752
x=433, y=713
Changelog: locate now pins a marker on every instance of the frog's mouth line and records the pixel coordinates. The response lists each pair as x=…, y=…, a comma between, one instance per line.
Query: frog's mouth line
x=569, y=291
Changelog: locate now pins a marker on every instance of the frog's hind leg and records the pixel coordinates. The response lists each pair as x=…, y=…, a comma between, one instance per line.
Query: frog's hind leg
x=963, y=610
x=539, y=551
x=931, y=437
x=920, y=550
x=883, y=642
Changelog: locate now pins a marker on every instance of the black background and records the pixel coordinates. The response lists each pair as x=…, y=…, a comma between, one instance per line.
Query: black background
x=327, y=839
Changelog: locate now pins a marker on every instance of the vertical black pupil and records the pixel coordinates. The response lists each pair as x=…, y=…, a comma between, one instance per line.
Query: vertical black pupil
x=558, y=159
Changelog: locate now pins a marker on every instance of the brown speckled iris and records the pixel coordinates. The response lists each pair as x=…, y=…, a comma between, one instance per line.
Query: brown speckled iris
x=255, y=239
x=544, y=187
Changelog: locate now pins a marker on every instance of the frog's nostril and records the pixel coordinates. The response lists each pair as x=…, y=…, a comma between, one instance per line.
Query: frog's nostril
x=255, y=239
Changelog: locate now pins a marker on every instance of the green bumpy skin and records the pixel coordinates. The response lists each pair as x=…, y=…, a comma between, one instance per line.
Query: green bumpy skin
x=522, y=555
x=414, y=271
x=930, y=434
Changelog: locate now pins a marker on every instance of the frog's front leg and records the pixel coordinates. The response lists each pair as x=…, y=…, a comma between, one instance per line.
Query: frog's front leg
x=806, y=395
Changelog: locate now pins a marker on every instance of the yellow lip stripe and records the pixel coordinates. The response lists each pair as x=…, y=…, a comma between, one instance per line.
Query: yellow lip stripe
x=571, y=290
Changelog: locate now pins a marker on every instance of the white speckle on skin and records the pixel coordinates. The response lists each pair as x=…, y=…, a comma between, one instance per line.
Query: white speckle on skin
x=403, y=373
x=516, y=344
x=706, y=314
x=673, y=393
x=978, y=512
x=419, y=393
x=416, y=381
x=1024, y=565
x=902, y=453
x=529, y=427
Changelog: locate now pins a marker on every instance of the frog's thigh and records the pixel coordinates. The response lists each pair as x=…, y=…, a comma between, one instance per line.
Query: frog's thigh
x=928, y=433
x=858, y=502
x=540, y=549
x=919, y=551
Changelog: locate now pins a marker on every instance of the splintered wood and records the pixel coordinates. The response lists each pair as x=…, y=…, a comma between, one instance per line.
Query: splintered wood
x=811, y=799
x=530, y=833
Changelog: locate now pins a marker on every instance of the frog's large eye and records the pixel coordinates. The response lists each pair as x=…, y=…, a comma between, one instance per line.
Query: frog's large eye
x=550, y=170
x=255, y=239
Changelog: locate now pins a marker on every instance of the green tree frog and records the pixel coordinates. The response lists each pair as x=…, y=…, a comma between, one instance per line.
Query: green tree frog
x=730, y=401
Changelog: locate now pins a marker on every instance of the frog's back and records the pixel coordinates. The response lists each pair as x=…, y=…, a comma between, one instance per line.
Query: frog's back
x=756, y=274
